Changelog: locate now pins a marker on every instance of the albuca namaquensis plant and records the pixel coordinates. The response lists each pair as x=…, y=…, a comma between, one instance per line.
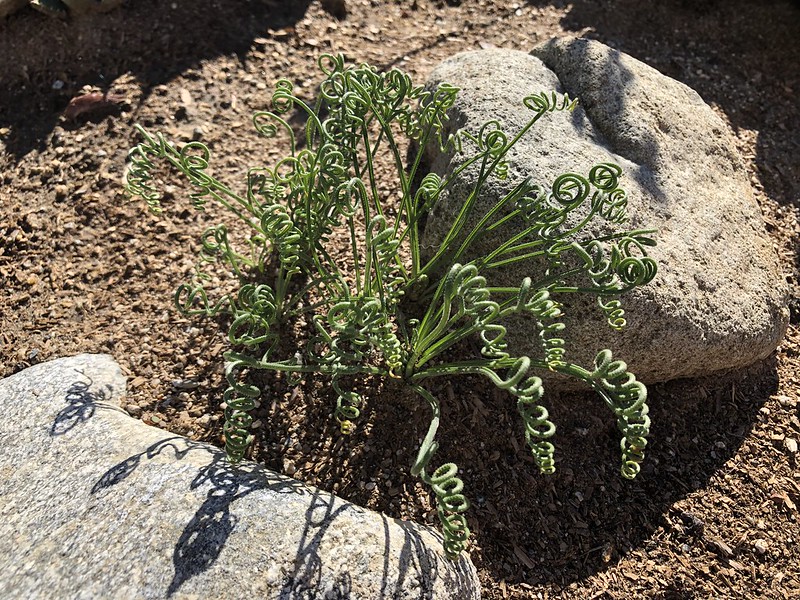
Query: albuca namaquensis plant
x=386, y=310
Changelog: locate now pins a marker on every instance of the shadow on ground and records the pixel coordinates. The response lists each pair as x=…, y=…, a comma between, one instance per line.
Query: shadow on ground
x=97, y=49
x=584, y=519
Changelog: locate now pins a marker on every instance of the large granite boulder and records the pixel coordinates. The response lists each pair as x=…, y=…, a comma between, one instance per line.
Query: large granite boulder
x=95, y=504
x=719, y=299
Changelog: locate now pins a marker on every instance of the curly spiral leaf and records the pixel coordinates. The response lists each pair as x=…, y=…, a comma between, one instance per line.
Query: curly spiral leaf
x=348, y=405
x=240, y=398
x=359, y=325
x=615, y=314
x=192, y=300
x=278, y=227
x=546, y=312
x=605, y=176
x=428, y=192
x=256, y=315
x=214, y=243
x=193, y=159
x=549, y=102
x=261, y=184
x=450, y=506
x=570, y=190
x=447, y=486
x=139, y=178
x=384, y=243
x=538, y=426
x=283, y=98
x=529, y=392
x=627, y=397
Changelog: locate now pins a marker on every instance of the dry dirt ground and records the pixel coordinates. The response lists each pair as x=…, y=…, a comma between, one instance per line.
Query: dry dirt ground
x=85, y=269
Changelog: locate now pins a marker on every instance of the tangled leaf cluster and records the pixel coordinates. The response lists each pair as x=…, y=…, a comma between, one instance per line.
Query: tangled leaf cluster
x=375, y=312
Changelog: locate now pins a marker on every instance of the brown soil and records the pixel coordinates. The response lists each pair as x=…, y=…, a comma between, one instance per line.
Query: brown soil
x=85, y=269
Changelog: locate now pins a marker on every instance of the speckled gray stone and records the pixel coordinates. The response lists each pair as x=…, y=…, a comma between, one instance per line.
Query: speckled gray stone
x=95, y=504
x=720, y=300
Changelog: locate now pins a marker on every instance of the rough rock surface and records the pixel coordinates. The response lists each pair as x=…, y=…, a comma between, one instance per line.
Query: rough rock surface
x=719, y=299
x=95, y=504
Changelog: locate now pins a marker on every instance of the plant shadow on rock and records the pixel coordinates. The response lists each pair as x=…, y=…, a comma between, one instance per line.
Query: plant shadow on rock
x=98, y=48
x=82, y=403
x=205, y=535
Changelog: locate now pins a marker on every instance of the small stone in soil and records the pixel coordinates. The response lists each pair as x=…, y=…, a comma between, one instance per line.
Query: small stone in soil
x=761, y=546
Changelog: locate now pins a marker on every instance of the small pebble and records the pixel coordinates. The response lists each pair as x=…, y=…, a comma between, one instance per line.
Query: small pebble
x=791, y=445
x=761, y=546
x=134, y=410
x=369, y=486
x=184, y=384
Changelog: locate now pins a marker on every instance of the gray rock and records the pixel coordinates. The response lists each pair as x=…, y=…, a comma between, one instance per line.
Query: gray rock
x=94, y=504
x=719, y=299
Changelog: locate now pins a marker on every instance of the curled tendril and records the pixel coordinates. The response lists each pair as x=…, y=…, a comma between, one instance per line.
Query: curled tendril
x=359, y=325
x=278, y=227
x=267, y=125
x=627, y=397
x=330, y=63
x=542, y=218
x=384, y=241
x=428, y=192
x=549, y=102
x=240, y=398
x=605, y=176
x=546, y=312
x=635, y=271
x=492, y=139
x=192, y=300
x=613, y=267
x=445, y=483
x=139, y=178
x=615, y=314
x=493, y=336
x=450, y=506
x=612, y=206
x=529, y=391
x=570, y=190
x=261, y=185
x=430, y=115
x=283, y=98
x=348, y=404
x=193, y=159
x=214, y=243
x=255, y=316
x=538, y=426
